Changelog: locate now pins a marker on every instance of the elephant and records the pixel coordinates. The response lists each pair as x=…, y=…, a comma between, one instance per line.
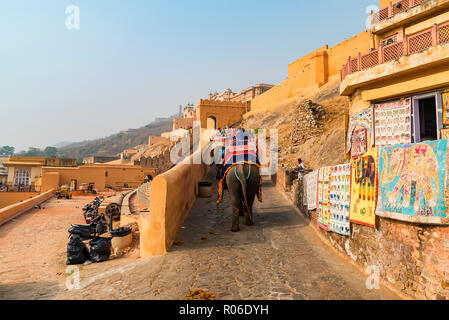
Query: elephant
x=243, y=183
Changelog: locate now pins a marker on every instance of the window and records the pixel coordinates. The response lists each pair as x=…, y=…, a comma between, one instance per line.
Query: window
x=427, y=117
x=390, y=40
x=22, y=178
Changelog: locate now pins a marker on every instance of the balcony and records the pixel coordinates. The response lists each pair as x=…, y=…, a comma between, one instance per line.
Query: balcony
x=403, y=12
x=410, y=45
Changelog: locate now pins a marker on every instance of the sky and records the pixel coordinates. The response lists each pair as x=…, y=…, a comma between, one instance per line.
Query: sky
x=131, y=61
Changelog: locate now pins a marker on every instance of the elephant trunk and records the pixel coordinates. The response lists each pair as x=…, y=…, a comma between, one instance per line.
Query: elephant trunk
x=242, y=178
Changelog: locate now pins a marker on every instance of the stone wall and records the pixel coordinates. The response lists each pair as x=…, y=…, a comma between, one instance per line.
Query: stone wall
x=312, y=71
x=184, y=123
x=172, y=195
x=14, y=210
x=9, y=198
x=226, y=113
x=412, y=259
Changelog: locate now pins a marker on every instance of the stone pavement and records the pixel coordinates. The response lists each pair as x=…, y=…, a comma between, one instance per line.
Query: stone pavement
x=280, y=257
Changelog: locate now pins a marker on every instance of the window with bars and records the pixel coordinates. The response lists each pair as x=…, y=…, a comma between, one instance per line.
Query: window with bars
x=22, y=178
x=390, y=40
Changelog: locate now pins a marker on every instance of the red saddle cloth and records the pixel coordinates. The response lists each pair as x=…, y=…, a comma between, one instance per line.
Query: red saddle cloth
x=236, y=155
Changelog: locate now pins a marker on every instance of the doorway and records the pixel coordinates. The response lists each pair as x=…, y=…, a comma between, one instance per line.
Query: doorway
x=427, y=118
x=211, y=122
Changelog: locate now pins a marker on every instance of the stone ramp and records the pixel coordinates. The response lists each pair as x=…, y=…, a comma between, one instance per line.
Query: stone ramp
x=281, y=257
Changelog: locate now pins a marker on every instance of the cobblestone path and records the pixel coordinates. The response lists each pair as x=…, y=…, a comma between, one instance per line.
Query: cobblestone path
x=280, y=257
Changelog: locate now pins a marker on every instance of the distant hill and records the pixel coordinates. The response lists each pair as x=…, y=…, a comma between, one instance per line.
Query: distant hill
x=116, y=143
x=62, y=144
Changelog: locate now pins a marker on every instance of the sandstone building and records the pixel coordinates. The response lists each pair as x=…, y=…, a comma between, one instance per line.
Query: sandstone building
x=407, y=68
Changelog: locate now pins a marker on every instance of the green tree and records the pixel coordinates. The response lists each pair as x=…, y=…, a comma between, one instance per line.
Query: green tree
x=50, y=152
x=32, y=152
x=6, y=151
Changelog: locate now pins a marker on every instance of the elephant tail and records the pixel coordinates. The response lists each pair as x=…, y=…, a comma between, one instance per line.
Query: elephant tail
x=240, y=173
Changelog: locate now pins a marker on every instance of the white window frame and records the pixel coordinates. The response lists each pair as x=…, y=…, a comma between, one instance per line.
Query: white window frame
x=21, y=179
x=416, y=134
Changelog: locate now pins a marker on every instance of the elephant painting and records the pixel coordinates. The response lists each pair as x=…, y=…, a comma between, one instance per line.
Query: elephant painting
x=243, y=182
x=416, y=166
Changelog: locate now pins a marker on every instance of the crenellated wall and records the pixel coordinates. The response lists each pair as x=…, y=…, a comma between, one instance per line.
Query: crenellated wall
x=312, y=71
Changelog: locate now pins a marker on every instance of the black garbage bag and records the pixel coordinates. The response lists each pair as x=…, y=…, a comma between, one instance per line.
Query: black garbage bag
x=100, y=249
x=81, y=230
x=77, y=252
x=121, y=232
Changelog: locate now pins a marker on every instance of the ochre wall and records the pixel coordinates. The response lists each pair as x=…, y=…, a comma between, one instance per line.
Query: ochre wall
x=50, y=180
x=226, y=112
x=9, y=198
x=184, y=123
x=12, y=211
x=172, y=195
x=384, y=3
x=118, y=176
x=313, y=70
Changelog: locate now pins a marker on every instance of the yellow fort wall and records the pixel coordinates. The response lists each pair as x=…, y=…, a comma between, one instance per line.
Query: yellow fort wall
x=16, y=209
x=100, y=175
x=9, y=198
x=312, y=71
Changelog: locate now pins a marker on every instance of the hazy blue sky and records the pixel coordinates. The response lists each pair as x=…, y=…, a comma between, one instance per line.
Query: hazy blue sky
x=134, y=60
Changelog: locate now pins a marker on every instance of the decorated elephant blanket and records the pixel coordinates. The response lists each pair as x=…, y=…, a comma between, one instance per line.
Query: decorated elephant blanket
x=237, y=154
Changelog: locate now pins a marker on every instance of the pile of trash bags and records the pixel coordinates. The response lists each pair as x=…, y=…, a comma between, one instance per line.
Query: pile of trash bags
x=78, y=253
x=99, y=245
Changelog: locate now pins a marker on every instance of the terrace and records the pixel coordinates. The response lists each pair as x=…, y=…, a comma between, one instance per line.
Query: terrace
x=355, y=72
x=403, y=12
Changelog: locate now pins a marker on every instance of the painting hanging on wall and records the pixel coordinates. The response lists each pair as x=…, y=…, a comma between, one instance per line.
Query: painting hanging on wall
x=444, y=133
x=310, y=189
x=359, y=142
x=339, y=195
x=393, y=122
x=364, y=189
x=322, y=205
x=413, y=179
x=363, y=119
x=445, y=98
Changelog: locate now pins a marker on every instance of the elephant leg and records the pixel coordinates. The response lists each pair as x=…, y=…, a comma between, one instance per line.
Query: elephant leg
x=252, y=190
x=249, y=211
x=241, y=210
x=237, y=207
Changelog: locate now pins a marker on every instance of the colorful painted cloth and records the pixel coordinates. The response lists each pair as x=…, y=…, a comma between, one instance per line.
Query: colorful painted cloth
x=310, y=189
x=413, y=180
x=393, y=122
x=322, y=205
x=359, y=142
x=339, y=195
x=364, y=189
x=444, y=133
x=362, y=119
x=445, y=98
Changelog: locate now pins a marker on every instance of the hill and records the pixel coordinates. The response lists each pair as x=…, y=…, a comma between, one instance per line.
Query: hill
x=116, y=143
x=310, y=127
